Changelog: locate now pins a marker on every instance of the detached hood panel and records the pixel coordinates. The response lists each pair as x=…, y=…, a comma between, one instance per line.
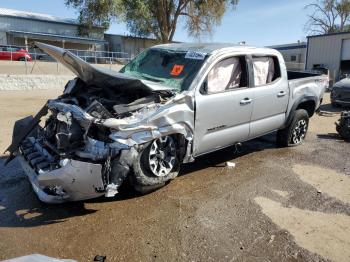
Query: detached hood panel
x=93, y=75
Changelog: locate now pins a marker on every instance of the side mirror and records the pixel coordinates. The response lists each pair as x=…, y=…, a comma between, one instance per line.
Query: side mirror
x=204, y=88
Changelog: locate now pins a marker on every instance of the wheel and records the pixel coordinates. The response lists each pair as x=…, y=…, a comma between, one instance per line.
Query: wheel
x=295, y=133
x=157, y=163
x=343, y=125
x=22, y=59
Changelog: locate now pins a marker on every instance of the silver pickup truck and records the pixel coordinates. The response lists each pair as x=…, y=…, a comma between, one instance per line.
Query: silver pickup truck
x=169, y=105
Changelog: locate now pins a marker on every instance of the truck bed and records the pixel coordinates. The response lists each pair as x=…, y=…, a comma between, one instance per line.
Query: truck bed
x=308, y=82
x=292, y=75
x=299, y=79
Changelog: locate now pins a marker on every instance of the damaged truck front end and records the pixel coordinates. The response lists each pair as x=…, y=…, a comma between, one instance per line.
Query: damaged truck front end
x=105, y=128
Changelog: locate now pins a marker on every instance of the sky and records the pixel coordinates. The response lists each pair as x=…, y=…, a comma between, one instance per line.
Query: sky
x=257, y=22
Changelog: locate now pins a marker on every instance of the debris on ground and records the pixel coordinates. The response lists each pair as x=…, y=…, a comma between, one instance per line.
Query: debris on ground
x=272, y=238
x=100, y=258
x=230, y=164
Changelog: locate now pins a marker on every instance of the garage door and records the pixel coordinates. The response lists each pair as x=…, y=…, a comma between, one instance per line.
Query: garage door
x=345, y=50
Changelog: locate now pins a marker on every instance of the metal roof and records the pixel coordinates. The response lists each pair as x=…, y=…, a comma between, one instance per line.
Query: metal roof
x=289, y=46
x=35, y=16
x=330, y=34
x=58, y=37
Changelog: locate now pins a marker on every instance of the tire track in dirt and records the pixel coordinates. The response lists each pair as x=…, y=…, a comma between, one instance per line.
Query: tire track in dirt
x=326, y=234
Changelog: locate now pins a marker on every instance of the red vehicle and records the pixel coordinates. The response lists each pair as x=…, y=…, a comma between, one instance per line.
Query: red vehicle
x=14, y=54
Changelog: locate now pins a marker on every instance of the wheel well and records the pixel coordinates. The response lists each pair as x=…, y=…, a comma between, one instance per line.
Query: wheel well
x=181, y=143
x=309, y=106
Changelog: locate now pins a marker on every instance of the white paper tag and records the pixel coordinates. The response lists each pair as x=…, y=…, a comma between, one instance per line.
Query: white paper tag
x=195, y=55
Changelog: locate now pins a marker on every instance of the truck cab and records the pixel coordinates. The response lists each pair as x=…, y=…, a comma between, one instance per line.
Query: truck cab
x=235, y=107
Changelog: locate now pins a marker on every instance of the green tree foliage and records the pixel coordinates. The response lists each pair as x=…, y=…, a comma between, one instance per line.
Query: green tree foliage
x=158, y=18
x=329, y=16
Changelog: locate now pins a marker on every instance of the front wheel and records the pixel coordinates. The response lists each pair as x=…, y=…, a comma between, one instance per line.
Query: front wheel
x=295, y=133
x=157, y=163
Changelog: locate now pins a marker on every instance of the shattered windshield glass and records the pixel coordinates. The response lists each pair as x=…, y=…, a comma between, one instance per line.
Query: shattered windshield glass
x=175, y=69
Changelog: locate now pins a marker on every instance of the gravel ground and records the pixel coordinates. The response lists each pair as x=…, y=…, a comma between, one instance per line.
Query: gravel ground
x=277, y=204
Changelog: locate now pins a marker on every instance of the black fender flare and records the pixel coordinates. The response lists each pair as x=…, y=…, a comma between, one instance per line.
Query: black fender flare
x=295, y=106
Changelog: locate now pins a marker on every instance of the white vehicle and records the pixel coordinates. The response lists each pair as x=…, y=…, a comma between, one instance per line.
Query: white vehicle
x=168, y=106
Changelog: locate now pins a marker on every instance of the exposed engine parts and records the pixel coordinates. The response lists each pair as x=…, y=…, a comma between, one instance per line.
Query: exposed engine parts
x=343, y=125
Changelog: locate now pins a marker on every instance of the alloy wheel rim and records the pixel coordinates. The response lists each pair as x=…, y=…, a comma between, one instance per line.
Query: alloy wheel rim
x=162, y=156
x=299, y=132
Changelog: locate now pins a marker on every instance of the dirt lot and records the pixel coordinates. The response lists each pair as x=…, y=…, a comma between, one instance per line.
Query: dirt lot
x=275, y=205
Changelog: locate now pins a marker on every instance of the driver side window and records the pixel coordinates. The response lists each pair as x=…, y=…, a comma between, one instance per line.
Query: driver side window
x=228, y=74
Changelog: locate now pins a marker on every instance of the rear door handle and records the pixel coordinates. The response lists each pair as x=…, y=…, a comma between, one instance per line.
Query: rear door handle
x=246, y=101
x=281, y=94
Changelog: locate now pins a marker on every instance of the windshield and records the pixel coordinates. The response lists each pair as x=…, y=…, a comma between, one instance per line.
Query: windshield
x=175, y=69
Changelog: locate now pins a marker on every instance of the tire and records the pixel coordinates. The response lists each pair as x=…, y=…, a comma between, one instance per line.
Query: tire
x=343, y=125
x=295, y=133
x=145, y=176
x=22, y=59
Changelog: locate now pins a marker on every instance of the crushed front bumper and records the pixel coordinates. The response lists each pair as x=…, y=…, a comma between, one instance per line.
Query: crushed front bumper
x=74, y=181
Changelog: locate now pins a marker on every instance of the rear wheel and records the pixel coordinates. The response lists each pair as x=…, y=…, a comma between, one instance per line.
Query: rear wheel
x=295, y=133
x=157, y=163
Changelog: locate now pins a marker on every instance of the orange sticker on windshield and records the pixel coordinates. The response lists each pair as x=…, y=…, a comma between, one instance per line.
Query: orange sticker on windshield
x=177, y=70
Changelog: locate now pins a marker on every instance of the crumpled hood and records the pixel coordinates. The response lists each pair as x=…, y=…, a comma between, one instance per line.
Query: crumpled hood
x=93, y=75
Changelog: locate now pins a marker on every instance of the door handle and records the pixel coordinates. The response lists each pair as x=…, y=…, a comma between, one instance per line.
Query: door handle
x=246, y=101
x=281, y=94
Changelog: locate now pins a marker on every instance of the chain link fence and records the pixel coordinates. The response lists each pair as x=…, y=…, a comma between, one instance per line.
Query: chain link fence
x=33, y=58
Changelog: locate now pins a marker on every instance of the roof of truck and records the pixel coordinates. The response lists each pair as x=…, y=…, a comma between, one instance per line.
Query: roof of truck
x=209, y=48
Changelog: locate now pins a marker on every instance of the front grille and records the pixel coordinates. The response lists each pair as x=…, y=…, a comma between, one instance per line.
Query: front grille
x=37, y=156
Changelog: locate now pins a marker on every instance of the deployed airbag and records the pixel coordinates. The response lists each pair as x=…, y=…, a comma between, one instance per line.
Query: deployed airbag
x=264, y=70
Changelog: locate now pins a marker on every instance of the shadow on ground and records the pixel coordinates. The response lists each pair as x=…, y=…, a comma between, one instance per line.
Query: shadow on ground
x=329, y=136
x=328, y=108
x=19, y=206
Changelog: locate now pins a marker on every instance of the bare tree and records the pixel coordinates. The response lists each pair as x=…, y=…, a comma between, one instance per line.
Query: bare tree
x=328, y=16
x=343, y=9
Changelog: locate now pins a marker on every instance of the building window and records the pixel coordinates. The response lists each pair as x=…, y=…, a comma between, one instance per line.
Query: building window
x=293, y=58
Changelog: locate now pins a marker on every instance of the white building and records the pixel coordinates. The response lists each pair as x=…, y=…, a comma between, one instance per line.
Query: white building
x=331, y=51
x=294, y=54
x=21, y=28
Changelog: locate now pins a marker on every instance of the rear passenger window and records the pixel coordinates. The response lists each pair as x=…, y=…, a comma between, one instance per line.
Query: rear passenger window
x=227, y=74
x=266, y=70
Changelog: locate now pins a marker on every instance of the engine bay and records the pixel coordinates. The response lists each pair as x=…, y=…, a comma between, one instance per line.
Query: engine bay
x=64, y=135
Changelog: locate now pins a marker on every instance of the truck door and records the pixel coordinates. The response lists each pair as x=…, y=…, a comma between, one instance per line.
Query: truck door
x=271, y=95
x=223, y=106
